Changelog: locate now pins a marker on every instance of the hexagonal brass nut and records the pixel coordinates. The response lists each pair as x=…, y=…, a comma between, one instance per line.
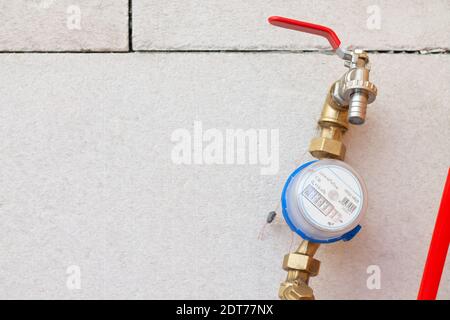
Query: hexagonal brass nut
x=295, y=291
x=302, y=263
x=327, y=148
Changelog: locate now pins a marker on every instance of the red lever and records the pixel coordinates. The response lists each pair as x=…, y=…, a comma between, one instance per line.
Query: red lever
x=307, y=27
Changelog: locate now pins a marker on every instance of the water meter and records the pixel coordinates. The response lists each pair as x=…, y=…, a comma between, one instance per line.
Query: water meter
x=323, y=201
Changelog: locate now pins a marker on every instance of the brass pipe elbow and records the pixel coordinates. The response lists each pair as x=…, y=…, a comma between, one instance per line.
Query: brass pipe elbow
x=333, y=124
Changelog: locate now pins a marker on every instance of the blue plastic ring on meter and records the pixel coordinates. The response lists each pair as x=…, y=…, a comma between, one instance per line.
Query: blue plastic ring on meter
x=323, y=201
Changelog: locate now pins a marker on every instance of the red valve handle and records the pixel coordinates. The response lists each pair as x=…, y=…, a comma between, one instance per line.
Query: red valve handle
x=307, y=27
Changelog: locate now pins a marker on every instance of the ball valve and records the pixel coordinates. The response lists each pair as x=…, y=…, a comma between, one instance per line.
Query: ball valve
x=324, y=200
x=353, y=90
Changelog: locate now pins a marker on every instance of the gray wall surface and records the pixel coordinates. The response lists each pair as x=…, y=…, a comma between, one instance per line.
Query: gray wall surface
x=93, y=202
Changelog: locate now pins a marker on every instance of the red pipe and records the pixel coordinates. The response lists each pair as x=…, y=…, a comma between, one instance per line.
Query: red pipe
x=438, y=249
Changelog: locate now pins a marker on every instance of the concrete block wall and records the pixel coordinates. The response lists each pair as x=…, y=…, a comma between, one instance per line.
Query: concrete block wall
x=90, y=189
x=64, y=25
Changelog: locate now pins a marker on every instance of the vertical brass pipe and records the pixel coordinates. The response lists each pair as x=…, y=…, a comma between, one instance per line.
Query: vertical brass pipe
x=300, y=265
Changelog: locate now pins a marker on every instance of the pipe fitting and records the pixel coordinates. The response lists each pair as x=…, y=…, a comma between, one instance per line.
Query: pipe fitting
x=300, y=266
x=333, y=124
x=354, y=88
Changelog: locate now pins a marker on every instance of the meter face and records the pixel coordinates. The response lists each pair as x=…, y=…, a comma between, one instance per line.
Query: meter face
x=324, y=200
x=330, y=196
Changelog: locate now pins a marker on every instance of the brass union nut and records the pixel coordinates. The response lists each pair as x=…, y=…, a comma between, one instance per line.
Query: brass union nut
x=295, y=291
x=302, y=263
x=327, y=148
